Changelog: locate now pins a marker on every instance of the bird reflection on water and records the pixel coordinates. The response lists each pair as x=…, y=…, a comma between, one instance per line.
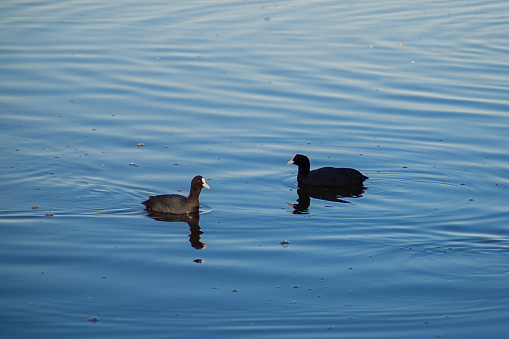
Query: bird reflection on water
x=192, y=219
x=334, y=194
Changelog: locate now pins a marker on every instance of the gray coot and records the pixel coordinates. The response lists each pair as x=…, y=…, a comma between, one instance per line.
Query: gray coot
x=325, y=176
x=176, y=203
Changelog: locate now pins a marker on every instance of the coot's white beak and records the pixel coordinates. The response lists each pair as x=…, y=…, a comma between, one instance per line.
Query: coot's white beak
x=204, y=183
x=291, y=161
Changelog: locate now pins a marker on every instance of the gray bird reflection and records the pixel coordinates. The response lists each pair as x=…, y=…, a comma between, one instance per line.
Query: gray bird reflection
x=333, y=194
x=192, y=219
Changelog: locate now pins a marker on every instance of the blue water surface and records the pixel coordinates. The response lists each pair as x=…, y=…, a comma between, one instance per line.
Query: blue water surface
x=104, y=104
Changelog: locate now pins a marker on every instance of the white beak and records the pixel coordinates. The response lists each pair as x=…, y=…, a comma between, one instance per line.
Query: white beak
x=204, y=183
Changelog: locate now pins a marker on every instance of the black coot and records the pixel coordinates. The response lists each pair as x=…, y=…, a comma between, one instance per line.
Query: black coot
x=176, y=203
x=325, y=176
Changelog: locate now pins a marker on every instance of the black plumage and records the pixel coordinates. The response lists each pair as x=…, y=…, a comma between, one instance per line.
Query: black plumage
x=325, y=176
x=176, y=203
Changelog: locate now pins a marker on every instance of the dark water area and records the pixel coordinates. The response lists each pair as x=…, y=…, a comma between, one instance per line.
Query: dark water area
x=103, y=105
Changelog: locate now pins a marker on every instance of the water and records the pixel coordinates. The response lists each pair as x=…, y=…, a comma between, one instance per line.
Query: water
x=414, y=95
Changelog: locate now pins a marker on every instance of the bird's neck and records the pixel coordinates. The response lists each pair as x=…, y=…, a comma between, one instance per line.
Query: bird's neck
x=303, y=170
x=193, y=195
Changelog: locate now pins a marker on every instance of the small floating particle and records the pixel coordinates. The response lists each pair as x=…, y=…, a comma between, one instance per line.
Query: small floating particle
x=199, y=261
x=293, y=302
x=267, y=19
x=133, y=164
x=405, y=166
x=49, y=215
x=284, y=243
x=34, y=207
x=175, y=164
x=93, y=319
x=295, y=286
x=235, y=290
x=140, y=144
x=470, y=199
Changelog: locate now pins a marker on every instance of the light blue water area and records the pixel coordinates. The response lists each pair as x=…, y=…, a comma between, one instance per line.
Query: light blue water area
x=104, y=104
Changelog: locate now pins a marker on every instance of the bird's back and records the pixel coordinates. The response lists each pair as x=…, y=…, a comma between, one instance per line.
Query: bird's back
x=332, y=177
x=170, y=203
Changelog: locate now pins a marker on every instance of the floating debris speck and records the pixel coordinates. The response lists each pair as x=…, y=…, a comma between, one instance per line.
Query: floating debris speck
x=141, y=144
x=284, y=243
x=199, y=261
x=49, y=215
x=133, y=164
x=93, y=319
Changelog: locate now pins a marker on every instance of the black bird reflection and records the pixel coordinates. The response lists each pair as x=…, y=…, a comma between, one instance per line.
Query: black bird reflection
x=334, y=194
x=192, y=219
